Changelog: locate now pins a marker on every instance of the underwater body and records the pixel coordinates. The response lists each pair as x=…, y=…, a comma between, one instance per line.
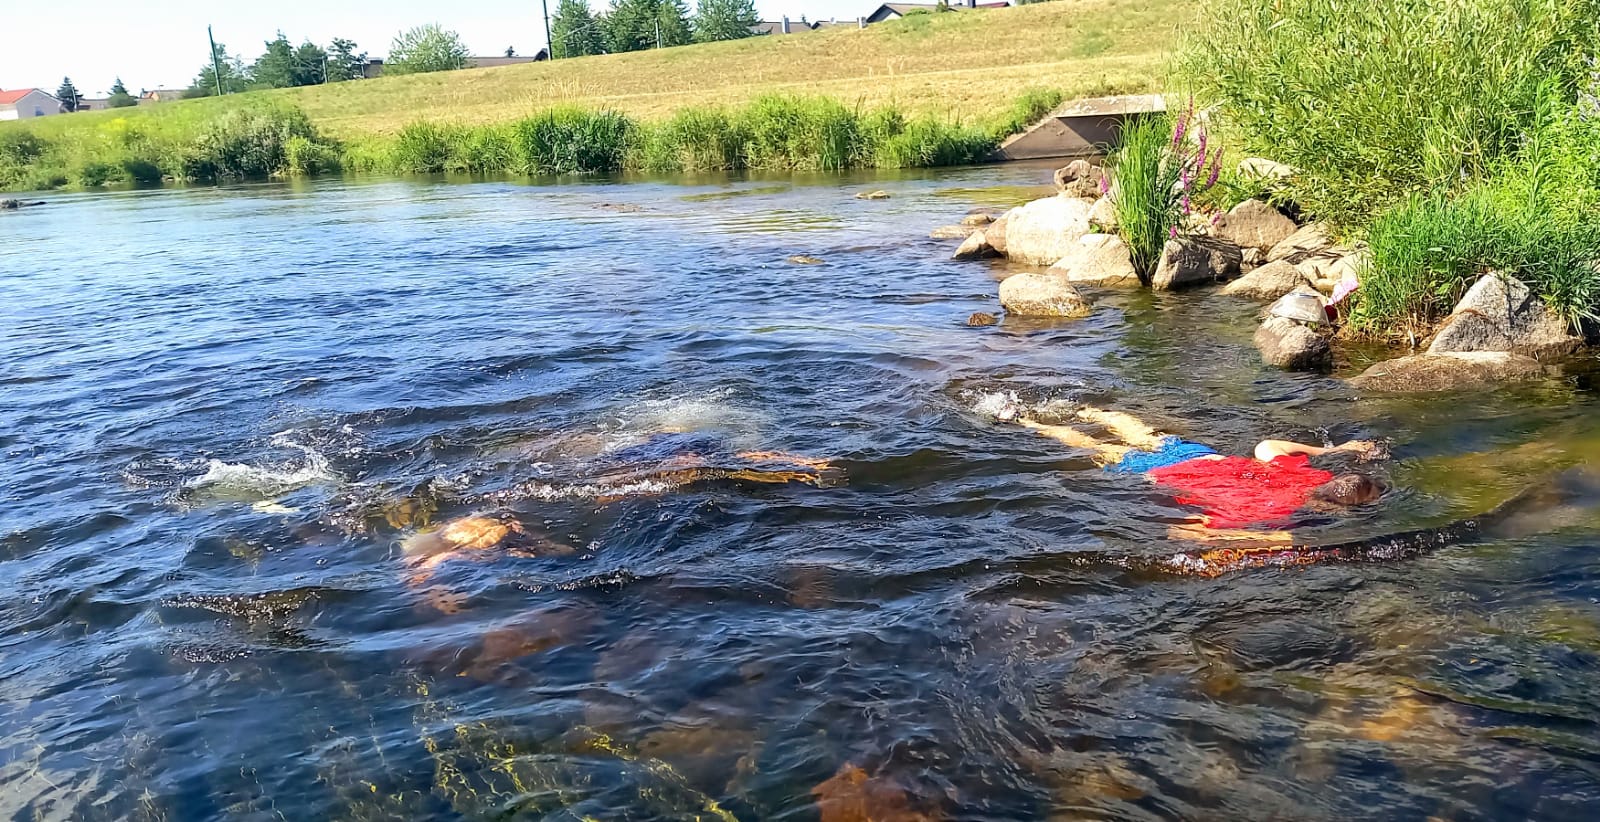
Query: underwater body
x=773, y=559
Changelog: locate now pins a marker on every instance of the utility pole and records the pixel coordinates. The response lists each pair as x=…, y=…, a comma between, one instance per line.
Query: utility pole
x=658, y=32
x=549, y=45
x=216, y=64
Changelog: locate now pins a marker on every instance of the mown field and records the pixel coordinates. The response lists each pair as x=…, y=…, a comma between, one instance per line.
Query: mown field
x=958, y=65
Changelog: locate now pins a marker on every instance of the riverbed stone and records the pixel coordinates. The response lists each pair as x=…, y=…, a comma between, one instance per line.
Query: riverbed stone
x=1291, y=346
x=1079, y=178
x=1309, y=238
x=1195, y=261
x=979, y=220
x=995, y=232
x=1044, y=231
x=1098, y=260
x=1254, y=224
x=980, y=319
x=1042, y=295
x=1103, y=215
x=1269, y=282
x=975, y=247
x=1261, y=168
x=952, y=232
x=880, y=194
x=1500, y=313
x=1448, y=372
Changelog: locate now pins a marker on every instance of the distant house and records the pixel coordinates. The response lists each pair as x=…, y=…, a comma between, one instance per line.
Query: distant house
x=491, y=62
x=93, y=103
x=783, y=26
x=27, y=103
x=160, y=95
x=895, y=11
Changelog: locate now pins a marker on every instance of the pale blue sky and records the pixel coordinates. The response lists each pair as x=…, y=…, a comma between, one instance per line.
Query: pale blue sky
x=163, y=45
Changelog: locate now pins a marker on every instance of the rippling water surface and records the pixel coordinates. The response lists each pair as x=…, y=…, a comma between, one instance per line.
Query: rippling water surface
x=224, y=411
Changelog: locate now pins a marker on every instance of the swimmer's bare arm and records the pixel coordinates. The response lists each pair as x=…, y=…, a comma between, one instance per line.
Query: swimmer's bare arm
x=1267, y=450
x=1197, y=532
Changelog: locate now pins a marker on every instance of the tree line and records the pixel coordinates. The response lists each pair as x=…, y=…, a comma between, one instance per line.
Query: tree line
x=633, y=25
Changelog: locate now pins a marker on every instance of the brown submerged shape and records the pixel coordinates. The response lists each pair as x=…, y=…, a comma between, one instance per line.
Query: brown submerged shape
x=852, y=796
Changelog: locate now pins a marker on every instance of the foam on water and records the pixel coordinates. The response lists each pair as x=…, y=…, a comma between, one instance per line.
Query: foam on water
x=243, y=479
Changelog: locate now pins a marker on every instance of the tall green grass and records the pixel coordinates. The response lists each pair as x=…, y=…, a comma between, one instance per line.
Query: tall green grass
x=770, y=133
x=1374, y=101
x=1160, y=164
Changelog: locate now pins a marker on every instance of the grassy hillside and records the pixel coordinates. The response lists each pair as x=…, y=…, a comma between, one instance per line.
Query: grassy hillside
x=965, y=65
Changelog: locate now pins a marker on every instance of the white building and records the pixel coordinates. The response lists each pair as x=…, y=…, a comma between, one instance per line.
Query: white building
x=27, y=103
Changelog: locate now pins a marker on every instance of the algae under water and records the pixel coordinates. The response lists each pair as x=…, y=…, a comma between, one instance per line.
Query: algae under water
x=224, y=411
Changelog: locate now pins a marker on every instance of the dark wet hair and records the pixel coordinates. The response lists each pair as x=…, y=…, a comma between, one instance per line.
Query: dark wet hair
x=1349, y=490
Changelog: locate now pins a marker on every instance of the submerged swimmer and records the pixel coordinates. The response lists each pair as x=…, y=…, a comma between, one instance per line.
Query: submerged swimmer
x=1234, y=492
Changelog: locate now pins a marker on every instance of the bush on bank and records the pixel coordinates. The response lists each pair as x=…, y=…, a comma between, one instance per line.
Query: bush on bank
x=1455, y=136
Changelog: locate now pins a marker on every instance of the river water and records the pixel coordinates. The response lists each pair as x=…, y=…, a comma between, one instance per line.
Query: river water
x=223, y=412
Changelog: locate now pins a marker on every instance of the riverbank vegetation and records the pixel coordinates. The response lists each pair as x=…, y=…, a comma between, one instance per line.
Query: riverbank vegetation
x=1453, y=137
x=946, y=77
x=803, y=133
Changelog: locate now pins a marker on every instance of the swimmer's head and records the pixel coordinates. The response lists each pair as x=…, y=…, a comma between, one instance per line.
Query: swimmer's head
x=1349, y=490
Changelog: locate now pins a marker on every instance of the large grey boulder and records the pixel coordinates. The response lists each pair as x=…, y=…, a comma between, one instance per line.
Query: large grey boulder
x=1044, y=231
x=1080, y=178
x=1448, y=372
x=975, y=247
x=1103, y=215
x=1098, y=260
x=1292, y=346
x=1500, y=313
x=995, y=233
x=1269, y=282
x=1195, y=261
x=1308, y=239
x=1253, y=224
x=1041, y=295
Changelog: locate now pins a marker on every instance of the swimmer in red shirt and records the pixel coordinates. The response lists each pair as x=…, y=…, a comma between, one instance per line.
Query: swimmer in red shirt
x=1235, y=492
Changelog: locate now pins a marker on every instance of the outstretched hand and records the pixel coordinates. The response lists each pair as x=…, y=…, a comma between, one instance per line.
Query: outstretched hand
x=1365, y=450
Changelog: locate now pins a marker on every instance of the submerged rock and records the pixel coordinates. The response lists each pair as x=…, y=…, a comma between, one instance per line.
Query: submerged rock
x=1500, y=313
x=13, y=205
x=980, y=219
x=1042, y=295
x=806, y=259
x=981, y=319
x=1195, y=261
x=1269, y=282
x=1253, y=224
x=1080, y=178
x=880, y=194
x=1289, y=345
x=852, y=796
x=975, y=247
x=1044, y=231
x=1098, y=260
x=952, y=232
x=1448, y=372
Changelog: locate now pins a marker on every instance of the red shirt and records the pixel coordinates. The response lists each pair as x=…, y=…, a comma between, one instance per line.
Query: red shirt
x=1239, y=491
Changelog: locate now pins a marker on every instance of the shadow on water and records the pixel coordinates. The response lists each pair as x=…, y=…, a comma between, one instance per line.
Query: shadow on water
x=227, y=423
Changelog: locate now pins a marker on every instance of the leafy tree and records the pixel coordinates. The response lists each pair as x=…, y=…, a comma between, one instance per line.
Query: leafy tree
x=120, y=98
x=725, y=20
x=230, y=71
x=284, y=66
x=426, y=48
x=344, y=63
x=68, y=95
x=576, y=31
x=634, y=25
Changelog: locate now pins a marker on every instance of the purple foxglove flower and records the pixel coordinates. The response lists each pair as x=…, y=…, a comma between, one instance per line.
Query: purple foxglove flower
x=1172, y=232
x=1216, y=168
x=1179, y=130
x=1105, y=187
x=1200, y=152
x=1185, y=204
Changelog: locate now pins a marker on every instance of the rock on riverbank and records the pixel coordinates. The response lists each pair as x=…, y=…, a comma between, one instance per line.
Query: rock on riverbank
x=1448, y=372
x=1042, y=295
x=1500, y=313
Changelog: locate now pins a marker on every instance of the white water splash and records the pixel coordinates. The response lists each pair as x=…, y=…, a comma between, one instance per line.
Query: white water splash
x=998, y=405
x=236, y=479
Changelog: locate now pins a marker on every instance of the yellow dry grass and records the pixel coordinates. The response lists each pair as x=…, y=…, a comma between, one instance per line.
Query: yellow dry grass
x=966, y=65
